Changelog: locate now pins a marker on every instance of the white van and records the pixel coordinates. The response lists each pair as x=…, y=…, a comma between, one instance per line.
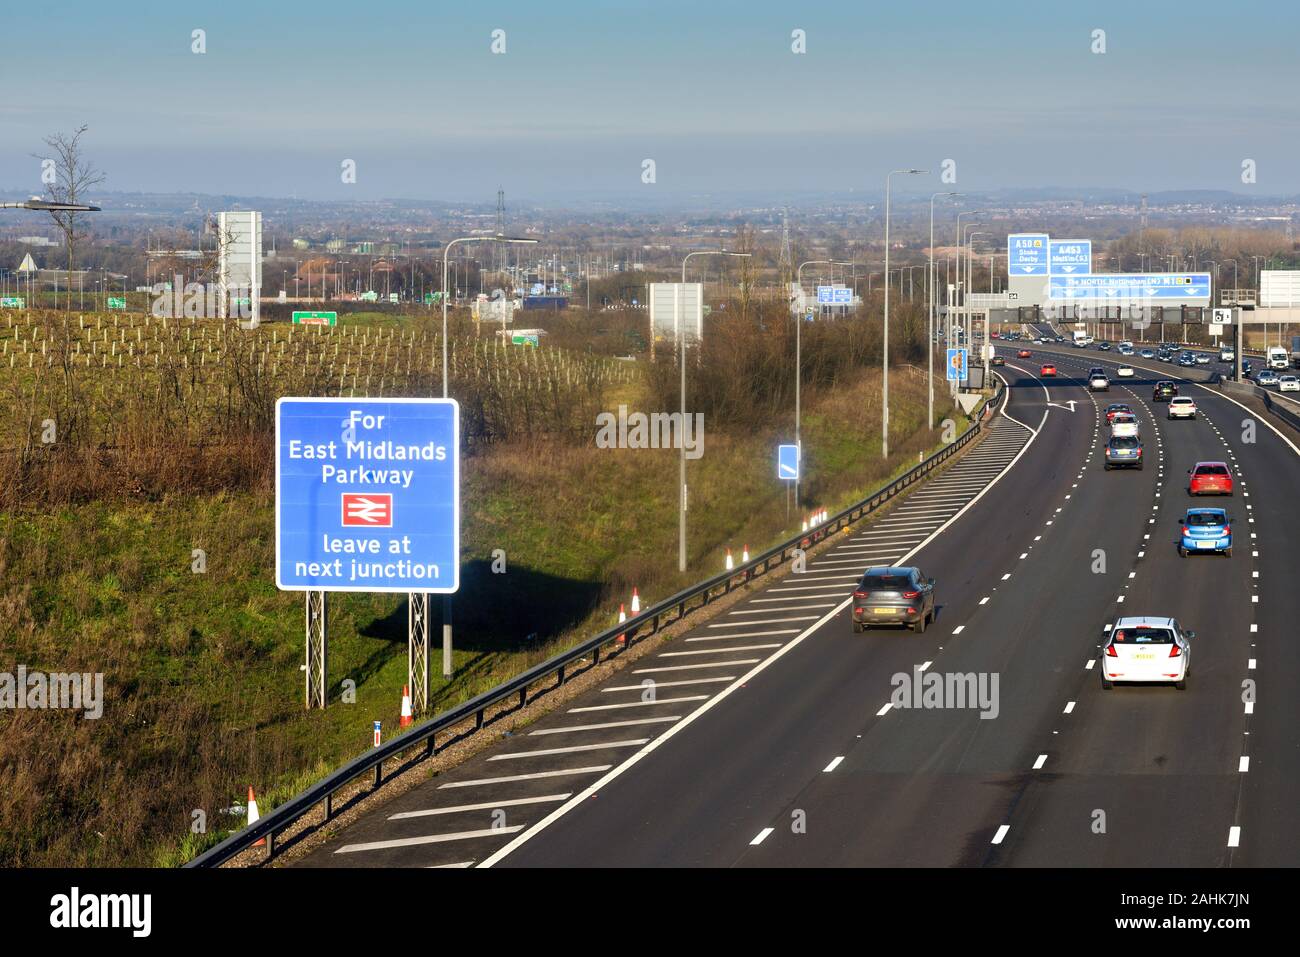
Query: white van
x=1278, y=358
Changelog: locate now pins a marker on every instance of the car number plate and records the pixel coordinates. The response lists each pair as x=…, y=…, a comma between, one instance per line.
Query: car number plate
x=1146, y=657
x=883, y=611
x=1205, y=544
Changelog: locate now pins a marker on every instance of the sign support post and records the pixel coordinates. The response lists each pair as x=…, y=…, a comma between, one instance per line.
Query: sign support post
x=417, y=650
x=316, y=665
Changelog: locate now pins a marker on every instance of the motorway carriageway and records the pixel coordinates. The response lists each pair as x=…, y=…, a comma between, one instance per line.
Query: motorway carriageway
x=770, y=740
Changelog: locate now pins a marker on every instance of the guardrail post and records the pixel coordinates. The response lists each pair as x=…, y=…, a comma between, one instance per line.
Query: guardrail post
x=379, y=773
x=270, y=844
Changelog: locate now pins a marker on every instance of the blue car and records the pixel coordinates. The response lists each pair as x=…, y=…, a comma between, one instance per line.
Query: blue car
x=1206, y=530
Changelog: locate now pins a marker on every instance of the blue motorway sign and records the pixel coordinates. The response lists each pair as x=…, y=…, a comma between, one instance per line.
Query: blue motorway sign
x=957, y=368
x=1071, y=257
x=367, y=495
x=1027, y=254
x=834, y=295
x=1116, y=287
x=787, y=462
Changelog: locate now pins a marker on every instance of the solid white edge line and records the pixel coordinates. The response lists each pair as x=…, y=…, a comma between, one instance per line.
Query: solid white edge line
x=521, y=839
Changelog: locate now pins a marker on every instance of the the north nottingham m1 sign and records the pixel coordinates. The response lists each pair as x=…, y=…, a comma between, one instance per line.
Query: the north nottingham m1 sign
x=367, y=495
x=1191, y=288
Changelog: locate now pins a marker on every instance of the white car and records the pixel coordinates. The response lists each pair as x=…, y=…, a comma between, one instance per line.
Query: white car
x=1288, y=383
x=1202, y=359
x=1182, y=407
x=1124, y=425
x=1125, y=372
x=1097, y=381
x=1227, y=355
x=1146, y=649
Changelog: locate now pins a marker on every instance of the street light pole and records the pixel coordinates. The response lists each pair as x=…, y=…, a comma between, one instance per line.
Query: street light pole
x=884, y=364
x=929, y=344
x=418, y=602
x=681, y=346
x=970, y=281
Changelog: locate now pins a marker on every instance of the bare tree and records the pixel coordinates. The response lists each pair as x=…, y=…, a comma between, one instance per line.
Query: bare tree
x=72, y=176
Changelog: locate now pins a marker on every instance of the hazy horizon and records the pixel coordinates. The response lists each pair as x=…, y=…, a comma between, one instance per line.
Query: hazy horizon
x=1015, y=97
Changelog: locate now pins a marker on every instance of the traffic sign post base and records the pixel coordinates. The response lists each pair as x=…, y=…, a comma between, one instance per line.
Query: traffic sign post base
x=446, y=637
x=417, y=650
x=316, y=665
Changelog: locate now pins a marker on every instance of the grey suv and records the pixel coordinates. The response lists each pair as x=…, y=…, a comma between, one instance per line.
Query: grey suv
x=889, y=595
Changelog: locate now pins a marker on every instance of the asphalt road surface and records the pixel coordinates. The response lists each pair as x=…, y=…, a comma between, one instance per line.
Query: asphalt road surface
x=770, y=736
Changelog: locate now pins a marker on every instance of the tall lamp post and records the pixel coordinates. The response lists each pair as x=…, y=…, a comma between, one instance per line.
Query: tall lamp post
x=884, y=405
x=964, y=323
x=970, y=281
x=418, y=602
x=929, y=345
x=798, y=357
x=681, y=345
x=957, y=276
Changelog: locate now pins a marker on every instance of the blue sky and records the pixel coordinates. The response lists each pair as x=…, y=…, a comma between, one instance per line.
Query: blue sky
x=710, y=90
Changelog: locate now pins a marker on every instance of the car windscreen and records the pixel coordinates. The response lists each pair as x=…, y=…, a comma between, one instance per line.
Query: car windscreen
x=1204, y=518
x=879, y=582
x=1211, y=470
x=1124, y=442
x=1142, y=636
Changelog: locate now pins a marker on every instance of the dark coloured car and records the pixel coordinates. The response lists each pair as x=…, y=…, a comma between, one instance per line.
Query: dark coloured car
x=1164, y=391
x=888, y=595
x=998, y=361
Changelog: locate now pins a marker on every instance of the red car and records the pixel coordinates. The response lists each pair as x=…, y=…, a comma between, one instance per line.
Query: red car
x=1023, y=354
x=1115, y=409
x=1209, y=478
x=1047, y=370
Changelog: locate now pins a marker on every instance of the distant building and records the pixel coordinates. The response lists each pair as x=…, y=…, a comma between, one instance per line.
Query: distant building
x=43, y=242
x=301, y=244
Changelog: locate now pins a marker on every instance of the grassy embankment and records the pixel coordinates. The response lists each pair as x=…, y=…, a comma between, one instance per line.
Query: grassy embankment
x=203, y=687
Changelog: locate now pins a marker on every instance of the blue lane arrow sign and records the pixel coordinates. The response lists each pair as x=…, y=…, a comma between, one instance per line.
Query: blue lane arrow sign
x=1070, y=257
x=1114, y=287
x=1027, y=254
x=787, y=462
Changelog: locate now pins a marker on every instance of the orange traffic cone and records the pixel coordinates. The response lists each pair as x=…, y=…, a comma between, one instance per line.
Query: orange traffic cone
x=622, y=617
x=254, y=814
x=636, y=602
x=406, y=707
x=744, y=556
x=730, y=562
